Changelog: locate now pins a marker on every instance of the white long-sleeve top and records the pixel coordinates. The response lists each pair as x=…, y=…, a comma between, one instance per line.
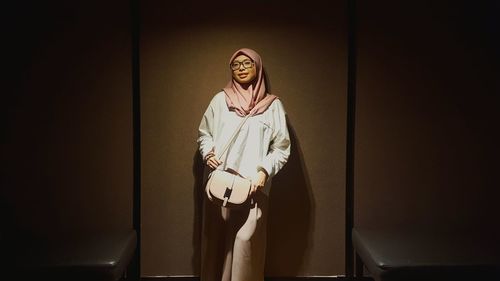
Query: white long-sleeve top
x=263, y=142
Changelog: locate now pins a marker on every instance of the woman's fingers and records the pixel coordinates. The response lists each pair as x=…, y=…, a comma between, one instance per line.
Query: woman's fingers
x=213, y=162
x=253, y=189
x=258, y=182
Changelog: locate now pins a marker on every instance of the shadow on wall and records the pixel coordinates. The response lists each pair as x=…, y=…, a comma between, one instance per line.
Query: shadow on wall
x=291, y=215
x=198, y=192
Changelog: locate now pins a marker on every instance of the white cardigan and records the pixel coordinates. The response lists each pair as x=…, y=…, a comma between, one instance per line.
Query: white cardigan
x=262, y=143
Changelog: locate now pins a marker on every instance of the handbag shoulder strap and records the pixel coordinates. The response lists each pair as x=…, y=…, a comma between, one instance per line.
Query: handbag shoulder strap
x=233, y=136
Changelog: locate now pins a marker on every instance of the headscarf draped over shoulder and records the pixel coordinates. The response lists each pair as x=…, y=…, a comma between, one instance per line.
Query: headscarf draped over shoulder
x=253, y=99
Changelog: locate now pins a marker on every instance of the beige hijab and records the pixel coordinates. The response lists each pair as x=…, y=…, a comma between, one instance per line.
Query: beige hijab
x=253, y=99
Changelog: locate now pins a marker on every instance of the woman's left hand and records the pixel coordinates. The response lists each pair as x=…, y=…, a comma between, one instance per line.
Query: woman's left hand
x=258, y=181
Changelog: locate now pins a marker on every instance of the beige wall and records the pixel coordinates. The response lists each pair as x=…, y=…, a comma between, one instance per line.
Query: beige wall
x=184, y=58
x=427, y=110
x=67, y=148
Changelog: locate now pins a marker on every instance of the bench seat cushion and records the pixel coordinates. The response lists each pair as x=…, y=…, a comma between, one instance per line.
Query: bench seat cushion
x=90, y=257
x=419, y=254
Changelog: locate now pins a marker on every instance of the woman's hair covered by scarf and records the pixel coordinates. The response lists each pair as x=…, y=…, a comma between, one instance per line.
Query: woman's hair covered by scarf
x=250, y=99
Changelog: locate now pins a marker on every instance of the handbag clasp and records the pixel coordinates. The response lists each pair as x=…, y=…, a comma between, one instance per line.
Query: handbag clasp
x=227, y=195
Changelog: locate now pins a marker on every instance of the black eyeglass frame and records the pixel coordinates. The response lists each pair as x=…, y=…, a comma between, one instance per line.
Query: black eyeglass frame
x=238, y=64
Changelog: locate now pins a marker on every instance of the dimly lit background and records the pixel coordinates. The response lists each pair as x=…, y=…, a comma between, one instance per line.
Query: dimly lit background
x=426, y=130
x=67, y=126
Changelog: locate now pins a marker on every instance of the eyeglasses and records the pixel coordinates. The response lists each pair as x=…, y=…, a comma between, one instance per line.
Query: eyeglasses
x=236, y=64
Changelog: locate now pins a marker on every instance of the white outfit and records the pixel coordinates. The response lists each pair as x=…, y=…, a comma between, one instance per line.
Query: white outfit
x=234, y=241
x=263, y=141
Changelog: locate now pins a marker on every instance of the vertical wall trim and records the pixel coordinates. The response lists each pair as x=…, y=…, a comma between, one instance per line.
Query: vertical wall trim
x=136, y=115
x=351, y=114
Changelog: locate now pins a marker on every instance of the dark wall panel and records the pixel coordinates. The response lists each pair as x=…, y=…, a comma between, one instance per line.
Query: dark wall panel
x=67, y=147
x=427, y=114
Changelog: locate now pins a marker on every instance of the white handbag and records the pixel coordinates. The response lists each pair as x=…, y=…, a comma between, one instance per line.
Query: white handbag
x=229, y=189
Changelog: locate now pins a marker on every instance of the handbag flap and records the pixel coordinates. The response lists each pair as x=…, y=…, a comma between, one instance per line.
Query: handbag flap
x=241, y=188
x=223, y=183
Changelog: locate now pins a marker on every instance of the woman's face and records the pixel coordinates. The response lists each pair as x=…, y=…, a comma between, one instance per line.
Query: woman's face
x=244, y=70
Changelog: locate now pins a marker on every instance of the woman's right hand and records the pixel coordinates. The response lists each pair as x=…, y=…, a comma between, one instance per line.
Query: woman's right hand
x=213, y=163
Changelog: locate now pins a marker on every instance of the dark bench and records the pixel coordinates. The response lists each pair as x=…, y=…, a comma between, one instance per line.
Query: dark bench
x=427, y=255
x=105, y=256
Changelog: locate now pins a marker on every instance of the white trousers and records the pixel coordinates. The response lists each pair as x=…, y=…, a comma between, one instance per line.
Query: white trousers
x=233, y=246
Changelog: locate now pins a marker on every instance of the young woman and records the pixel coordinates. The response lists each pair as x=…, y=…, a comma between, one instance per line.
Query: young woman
x=234, y=241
